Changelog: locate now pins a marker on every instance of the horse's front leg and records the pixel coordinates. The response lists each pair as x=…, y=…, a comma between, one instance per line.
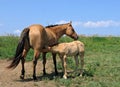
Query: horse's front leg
x=36, y=56
x=44, y=63
x=54, y=61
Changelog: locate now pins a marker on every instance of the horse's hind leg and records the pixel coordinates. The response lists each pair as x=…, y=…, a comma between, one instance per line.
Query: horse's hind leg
x=22, y=62
x=54, y=61
x=36, y=56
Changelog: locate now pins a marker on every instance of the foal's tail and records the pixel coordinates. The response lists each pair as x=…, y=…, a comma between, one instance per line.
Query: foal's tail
x=19, y=49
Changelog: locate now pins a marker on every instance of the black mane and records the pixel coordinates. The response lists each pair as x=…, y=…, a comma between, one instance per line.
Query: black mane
x=53, y=25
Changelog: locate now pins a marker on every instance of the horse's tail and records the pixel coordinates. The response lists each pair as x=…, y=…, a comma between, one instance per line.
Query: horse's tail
x=18, y=55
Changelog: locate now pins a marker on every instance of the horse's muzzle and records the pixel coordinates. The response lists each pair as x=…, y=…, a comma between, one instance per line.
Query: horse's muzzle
x=76, y=38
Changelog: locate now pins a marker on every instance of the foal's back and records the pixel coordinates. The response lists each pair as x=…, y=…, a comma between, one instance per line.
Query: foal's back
x=80, y=46
x=71, y=48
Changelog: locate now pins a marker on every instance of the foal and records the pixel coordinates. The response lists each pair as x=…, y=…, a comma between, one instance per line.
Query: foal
x=75, y=48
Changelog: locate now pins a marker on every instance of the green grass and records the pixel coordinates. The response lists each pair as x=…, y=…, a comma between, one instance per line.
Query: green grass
x=102, y=61
x=8, y=46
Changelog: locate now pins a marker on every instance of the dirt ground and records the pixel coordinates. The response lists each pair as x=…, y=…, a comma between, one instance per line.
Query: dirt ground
x=10, y=78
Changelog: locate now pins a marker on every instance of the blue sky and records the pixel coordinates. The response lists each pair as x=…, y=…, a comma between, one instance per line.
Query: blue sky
x=89, y=17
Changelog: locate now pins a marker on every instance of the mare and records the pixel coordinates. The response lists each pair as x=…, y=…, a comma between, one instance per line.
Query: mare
x=75, y=48
x=38, y=37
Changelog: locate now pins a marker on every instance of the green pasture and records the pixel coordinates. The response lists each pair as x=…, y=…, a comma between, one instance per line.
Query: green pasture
x=102, y=61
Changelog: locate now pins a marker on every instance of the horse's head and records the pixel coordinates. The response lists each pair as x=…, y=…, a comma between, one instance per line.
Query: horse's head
x=71, y=32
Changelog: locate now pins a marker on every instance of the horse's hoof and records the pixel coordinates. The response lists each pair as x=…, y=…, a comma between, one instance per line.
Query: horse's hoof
x=44, y=73
x=21, y=76
x=34, y=78
x=56, y=73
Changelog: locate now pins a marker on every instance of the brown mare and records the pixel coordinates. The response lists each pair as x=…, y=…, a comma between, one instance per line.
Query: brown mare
x=37, y=37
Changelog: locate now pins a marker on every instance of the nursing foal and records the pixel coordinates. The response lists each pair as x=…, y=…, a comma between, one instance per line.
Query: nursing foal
x=75, y=48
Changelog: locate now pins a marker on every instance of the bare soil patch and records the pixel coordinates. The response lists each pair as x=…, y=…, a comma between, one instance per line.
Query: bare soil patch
x=10, y=78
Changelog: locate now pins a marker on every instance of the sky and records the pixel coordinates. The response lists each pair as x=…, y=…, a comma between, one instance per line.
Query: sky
x=89, y=17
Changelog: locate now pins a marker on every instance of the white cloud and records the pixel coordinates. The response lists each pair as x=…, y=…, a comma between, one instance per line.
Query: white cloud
x=108, y=23
x=93, y=24
x=17, y=32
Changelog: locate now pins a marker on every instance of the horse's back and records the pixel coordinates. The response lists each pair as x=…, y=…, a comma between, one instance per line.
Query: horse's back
x=37, y=36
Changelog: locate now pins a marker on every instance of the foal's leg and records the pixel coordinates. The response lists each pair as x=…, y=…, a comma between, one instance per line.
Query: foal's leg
x=82, y=62
x=44, y=63
x=22, y=62
x=36, y=56
x=65, y=70
x=54, y=61
x=76, y=61
x=63, y=59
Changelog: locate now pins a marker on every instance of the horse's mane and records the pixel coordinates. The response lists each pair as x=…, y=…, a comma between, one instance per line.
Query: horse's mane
x=53, y=25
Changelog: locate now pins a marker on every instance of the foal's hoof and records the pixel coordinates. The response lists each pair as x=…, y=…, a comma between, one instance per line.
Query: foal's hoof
x=65, y=77
x=21, y=76
x=80, y=75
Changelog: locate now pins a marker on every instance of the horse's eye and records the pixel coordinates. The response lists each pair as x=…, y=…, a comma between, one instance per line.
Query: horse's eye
x=73, y=30
x=70, y=25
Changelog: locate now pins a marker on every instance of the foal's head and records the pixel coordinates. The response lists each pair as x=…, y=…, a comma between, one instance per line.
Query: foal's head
x=71, y=32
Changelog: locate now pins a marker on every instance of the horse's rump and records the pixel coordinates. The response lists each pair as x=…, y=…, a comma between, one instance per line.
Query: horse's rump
x=38, y=37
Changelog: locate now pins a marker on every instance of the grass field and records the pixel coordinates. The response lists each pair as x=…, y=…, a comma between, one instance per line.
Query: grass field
x=102, y=61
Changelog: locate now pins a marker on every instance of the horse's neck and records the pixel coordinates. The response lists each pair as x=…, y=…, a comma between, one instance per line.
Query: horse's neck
x=54, y=33
x=59, y=31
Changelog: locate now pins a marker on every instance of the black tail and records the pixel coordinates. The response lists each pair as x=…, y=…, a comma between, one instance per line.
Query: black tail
x=19, y=49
